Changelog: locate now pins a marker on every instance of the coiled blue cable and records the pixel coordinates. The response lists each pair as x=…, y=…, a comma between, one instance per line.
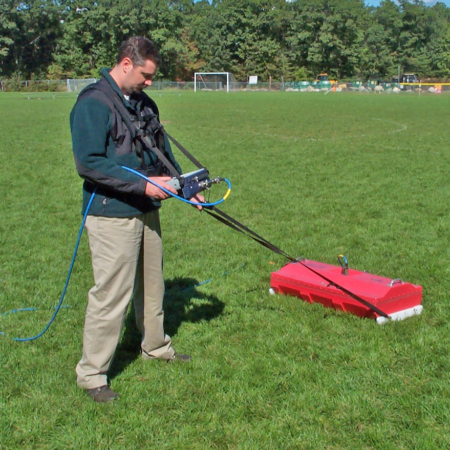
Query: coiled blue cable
x=58, y=307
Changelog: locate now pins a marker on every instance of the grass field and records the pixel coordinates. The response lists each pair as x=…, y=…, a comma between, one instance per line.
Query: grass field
x=363, y=175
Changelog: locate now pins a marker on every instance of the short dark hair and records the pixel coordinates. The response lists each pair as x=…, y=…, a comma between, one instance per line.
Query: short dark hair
x=138, y=49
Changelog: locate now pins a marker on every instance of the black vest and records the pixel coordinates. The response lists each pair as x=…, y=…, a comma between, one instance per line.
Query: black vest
x=145, y=113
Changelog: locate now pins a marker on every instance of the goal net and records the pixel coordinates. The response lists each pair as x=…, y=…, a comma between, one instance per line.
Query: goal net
x=214, y=81
x=79, y=84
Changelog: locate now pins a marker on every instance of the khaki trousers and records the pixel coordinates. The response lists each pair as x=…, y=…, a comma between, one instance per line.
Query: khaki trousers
x=127, y=263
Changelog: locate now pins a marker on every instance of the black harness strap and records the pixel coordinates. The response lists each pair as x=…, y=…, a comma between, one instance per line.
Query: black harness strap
x=233, y=223
x=134, y=127
x=184, y=151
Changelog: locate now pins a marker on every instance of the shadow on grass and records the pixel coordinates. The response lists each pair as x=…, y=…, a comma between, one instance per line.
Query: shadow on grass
x=182, y=303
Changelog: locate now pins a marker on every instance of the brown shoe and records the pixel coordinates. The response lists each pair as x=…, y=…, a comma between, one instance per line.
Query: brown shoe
x=102, y=394
x=179, y=357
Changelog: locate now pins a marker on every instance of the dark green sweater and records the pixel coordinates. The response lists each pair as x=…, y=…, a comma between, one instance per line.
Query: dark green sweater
x=102, y=144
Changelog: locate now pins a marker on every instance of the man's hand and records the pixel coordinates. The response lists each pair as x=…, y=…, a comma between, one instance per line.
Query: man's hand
x=152, y=191
x=197, y=198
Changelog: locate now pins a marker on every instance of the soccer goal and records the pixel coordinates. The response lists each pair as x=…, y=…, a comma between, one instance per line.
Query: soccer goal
x=214, y=81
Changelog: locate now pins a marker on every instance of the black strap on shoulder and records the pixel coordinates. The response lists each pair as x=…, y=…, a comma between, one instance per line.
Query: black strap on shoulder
x=137, y=132
x=133, y=125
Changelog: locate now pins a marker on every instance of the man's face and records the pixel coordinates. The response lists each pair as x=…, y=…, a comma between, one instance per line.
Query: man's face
x=139, y=77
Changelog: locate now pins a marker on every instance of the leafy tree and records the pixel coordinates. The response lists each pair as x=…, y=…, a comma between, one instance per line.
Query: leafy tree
x=28, y=32
x=345, y=38
x=242, y=36
x=381, y=39
x=329, y=35
x=436, y=51
x=303, y=74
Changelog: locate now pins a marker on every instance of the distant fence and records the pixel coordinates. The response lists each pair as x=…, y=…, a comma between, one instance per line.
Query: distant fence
x=33, y=86
x=76, y=85
x=45, y=85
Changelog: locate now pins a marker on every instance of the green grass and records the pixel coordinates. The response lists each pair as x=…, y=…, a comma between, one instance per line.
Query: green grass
x=363, y=175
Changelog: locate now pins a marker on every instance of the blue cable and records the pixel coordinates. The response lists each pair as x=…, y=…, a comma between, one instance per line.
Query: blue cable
x=58, y=307
x=174, y=195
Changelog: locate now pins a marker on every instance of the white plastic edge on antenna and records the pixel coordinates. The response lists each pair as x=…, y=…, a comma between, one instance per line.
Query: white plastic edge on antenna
x=400, y=315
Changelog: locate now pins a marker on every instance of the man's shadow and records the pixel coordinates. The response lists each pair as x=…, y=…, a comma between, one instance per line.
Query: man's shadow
x=178, y=308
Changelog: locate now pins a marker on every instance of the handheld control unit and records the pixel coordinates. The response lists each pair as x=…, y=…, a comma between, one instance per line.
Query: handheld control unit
x=189, y=184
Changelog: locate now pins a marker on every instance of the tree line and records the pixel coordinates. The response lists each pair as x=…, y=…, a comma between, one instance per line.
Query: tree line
x=57, y=39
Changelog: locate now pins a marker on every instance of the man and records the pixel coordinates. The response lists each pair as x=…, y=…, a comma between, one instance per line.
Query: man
x=123, y=220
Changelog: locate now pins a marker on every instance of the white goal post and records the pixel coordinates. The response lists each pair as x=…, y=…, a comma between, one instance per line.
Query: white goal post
x=213, y=81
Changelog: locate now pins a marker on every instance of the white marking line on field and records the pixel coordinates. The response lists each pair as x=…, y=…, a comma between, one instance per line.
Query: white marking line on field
x=299, y=138
x=399, y=130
